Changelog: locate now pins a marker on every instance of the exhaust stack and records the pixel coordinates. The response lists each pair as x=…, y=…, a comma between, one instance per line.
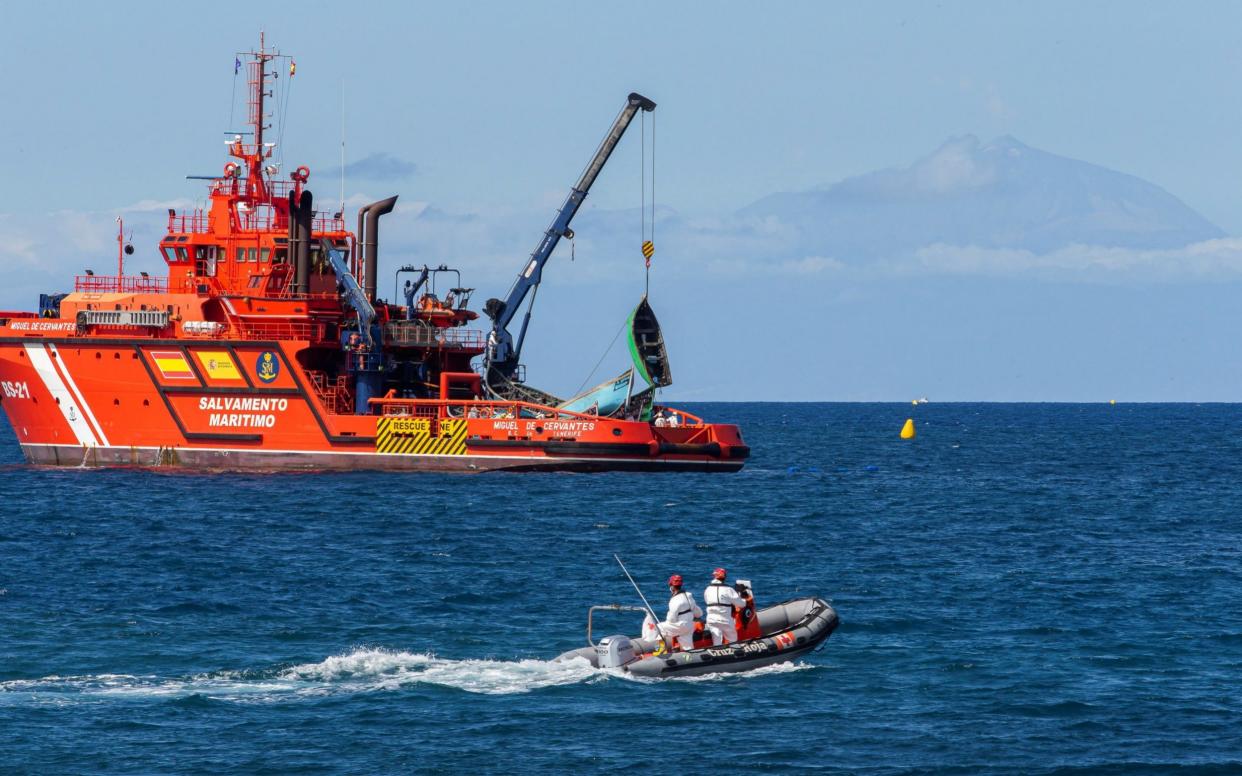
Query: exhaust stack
x=291, y=257
x=306, y=214
x=370, y=241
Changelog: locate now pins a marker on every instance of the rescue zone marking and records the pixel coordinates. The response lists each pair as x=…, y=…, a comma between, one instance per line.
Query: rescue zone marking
x=412, y=436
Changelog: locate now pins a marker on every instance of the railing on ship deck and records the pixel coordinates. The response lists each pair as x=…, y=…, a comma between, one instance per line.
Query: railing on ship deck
x=311, y=332
x=495, y=410
x=262, y=218
x=414, y=333
x=120, y=284
x=476, y=408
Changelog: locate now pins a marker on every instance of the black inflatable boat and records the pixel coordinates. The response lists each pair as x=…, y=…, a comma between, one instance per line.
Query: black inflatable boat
x=787, y=630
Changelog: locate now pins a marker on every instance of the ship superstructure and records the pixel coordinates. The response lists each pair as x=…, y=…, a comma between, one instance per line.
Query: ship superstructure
x=266, y=346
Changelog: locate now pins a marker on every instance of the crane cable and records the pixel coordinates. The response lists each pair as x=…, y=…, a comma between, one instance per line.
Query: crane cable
x=647, y=226
x=646, y=232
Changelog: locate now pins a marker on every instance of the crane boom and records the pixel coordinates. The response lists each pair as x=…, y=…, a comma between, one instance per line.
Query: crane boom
x=502, y=353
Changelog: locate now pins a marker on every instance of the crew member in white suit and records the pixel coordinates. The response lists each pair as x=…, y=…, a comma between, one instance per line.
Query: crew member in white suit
x=682, y=612
x=722, y=601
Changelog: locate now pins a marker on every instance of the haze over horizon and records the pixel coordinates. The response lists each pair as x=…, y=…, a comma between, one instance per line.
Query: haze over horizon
x=959, y=203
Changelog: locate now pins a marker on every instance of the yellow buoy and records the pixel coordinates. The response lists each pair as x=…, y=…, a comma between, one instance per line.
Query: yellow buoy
x=1112, y=401
x=907, y=431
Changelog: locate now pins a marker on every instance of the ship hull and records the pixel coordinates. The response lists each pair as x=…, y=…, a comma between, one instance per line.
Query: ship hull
x=248, y=405
x=239, y=459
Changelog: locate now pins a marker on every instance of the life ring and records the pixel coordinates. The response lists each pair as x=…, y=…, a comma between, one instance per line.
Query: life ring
x=230, y=170
x=301, y=174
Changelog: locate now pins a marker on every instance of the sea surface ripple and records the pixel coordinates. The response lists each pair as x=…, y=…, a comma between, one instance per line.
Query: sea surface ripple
x=1023, y=589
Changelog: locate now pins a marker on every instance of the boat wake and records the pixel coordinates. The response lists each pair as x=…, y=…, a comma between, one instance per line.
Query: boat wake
x=360, y=671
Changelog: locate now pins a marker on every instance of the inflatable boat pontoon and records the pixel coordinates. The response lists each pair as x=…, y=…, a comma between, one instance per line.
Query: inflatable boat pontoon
x=788, y=630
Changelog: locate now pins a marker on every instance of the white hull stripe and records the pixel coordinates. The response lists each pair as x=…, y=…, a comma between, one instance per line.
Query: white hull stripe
x=80, y=397
x=76, y=418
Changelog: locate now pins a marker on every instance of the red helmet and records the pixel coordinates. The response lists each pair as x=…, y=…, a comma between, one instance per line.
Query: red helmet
x=675, y=580
x=719, y=574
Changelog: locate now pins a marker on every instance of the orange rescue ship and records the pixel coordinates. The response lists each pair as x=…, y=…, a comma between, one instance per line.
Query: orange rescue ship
x=266, y=347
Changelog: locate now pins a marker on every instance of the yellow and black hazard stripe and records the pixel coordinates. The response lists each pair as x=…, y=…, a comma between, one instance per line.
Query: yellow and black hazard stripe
x=412, y=436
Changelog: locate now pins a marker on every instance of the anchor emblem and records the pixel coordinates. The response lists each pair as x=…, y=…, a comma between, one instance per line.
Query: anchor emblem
x=267, y=367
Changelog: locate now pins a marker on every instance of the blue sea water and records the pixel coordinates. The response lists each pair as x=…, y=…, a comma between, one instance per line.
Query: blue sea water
x=1022, y=588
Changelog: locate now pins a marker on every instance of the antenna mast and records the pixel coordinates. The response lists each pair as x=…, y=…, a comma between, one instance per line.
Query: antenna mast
x=252, y=159
x=342, y=146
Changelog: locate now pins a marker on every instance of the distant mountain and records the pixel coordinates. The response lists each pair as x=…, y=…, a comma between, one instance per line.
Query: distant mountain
x=1001, y=194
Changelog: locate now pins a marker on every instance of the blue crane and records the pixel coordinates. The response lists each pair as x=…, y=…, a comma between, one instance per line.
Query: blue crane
x=502, y=353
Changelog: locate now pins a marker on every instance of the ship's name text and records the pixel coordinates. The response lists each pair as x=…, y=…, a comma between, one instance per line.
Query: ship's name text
x=42, y=325
x=563, y=427
x=243, y=403
x=242, y=411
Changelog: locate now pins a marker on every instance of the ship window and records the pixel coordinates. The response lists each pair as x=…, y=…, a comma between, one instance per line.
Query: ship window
x=182, y=255
x=182, y=238
x=255, y=280
x=205, y=260
x=240, y=255
x=265, y=254
x=282, y=255
x=250, y=252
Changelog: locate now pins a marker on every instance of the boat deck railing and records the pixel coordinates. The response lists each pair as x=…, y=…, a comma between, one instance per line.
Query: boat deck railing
x=444, y=409
x=416, y=334
x=120, y=284
x=687, y=418
x=263, y=218
x=310, y=332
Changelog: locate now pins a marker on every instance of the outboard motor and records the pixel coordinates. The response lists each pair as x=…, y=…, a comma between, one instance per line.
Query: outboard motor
x=614, y=652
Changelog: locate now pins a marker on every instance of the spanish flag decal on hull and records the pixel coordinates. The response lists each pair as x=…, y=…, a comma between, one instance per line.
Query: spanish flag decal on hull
x=172, y=365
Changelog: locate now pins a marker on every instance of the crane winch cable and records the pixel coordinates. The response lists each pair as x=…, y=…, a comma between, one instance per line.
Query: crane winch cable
x=607, y=350
x=646, y=222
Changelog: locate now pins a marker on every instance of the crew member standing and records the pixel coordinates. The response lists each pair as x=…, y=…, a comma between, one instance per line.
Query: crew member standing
x=722, y=600
x=682, y=611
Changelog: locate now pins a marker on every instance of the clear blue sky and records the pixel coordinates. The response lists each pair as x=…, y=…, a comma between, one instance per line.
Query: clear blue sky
x=495, y=101
x=498, y=105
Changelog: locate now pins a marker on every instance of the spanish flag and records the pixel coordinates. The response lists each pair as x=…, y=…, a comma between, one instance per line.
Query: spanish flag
x=293, y=68
x=172, y=365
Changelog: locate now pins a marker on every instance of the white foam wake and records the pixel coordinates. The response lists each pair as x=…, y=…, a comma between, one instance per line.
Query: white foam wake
x=362, y=670
x=359, y=671
x=380, y=669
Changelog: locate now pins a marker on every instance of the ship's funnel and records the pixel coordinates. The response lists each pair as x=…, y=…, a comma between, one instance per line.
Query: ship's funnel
x=370, y=241
x=306, y=214
x=292, y=256
x=360, y=236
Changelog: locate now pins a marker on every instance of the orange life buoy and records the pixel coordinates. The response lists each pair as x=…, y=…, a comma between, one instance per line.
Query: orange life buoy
x=230, y=170
x=301, y=174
